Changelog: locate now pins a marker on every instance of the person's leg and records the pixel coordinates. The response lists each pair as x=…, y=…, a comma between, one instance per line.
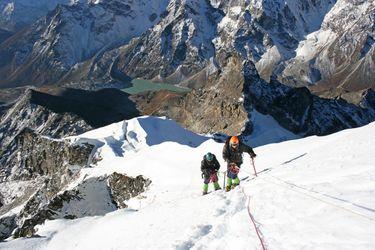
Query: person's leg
x=205, y=188
x=215, y=180
x=236, y=181
x=217, y=186
x=205, y=185
x=229, y=184
x=229, y=180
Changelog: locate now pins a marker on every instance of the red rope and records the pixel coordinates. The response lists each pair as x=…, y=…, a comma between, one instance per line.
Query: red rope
x=253, y=220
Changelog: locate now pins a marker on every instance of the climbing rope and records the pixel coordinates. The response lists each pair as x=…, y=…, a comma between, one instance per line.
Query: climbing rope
x=298, y=189
x=306, y=194
x=259, y=234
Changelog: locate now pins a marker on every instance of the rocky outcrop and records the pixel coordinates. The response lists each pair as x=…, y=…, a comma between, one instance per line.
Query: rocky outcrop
x=58, y=112
x=221, y=107
x=30, y=155
x=340, y=56
x=368, y=99
x=36, y=165
x=7, y=225
x=92, y=197
x=123, y=187
x=4, y=34
x=36, y=168
x=216, y=107
x=32, y=160
x=312, y=116
x=177, y=47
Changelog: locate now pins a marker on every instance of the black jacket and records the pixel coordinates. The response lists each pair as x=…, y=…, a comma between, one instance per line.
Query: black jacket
x=235, y=155
x=209, y=167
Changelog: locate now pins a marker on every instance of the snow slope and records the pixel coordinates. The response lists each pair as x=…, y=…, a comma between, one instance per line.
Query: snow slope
x=18, y=13
x=317, y=194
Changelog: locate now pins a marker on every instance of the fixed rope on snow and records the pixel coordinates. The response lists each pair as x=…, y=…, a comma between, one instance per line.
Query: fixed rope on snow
x=259, y=234
x=286, y=185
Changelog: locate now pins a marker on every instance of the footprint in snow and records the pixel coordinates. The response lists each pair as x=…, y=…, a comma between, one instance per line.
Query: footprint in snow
x=219, y=211
x=201, y=231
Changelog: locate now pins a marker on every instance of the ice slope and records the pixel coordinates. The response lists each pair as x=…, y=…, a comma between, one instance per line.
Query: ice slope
x=317, y=194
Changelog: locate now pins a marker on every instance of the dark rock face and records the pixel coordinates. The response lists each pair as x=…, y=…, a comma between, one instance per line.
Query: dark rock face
x=216, y=107
x=97, y=108
x=177, y=48
x=59, y=112
x=40, y=156
x=4, y=34
x=312, y=116
x=92, y=197
x=368, y=99
x=25, y=113
x=7, y=225
x=42, y=166
x=123, y=187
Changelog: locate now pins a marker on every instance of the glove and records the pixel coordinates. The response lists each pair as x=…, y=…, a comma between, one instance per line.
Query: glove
x=234, y=168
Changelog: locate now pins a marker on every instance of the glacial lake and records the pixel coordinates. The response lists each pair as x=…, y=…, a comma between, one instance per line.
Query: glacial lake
x=141, y=85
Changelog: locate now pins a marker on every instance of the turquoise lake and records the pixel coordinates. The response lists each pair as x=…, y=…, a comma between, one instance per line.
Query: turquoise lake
x=141, y=85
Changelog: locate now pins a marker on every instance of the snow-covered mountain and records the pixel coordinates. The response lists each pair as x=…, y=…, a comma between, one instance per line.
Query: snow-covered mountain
x=226, y=103
x=16, y=14
x=300, y=111
x=312, y=188
x=178, y=46
x=340, y=54
x=61, y=112
x=326, y=45
x=72, y=34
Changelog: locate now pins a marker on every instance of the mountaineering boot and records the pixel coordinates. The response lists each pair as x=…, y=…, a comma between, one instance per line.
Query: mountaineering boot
x=229, y=185
x=205, y=189
x=216, y=186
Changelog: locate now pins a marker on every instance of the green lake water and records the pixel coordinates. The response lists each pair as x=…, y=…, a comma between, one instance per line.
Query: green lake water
x=141, y=85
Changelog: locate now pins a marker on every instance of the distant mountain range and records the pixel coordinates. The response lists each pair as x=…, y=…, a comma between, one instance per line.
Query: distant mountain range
x=326, y=46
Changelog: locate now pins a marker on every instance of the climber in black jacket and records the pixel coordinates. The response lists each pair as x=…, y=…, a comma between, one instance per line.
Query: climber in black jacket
x=232, y=154
x=209, y=168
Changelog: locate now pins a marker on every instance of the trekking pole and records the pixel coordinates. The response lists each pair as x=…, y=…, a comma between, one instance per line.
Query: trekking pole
x=252, y=162
x=224, y=179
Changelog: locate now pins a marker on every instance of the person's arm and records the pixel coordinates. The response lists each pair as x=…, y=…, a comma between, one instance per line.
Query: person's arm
x=249, y=150
x=205, y=168
x=217, y=164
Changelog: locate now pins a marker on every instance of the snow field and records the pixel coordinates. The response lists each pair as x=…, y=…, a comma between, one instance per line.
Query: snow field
x=317, y=194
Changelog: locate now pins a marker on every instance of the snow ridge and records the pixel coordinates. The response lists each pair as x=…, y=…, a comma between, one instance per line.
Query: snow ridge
x=313, y=188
